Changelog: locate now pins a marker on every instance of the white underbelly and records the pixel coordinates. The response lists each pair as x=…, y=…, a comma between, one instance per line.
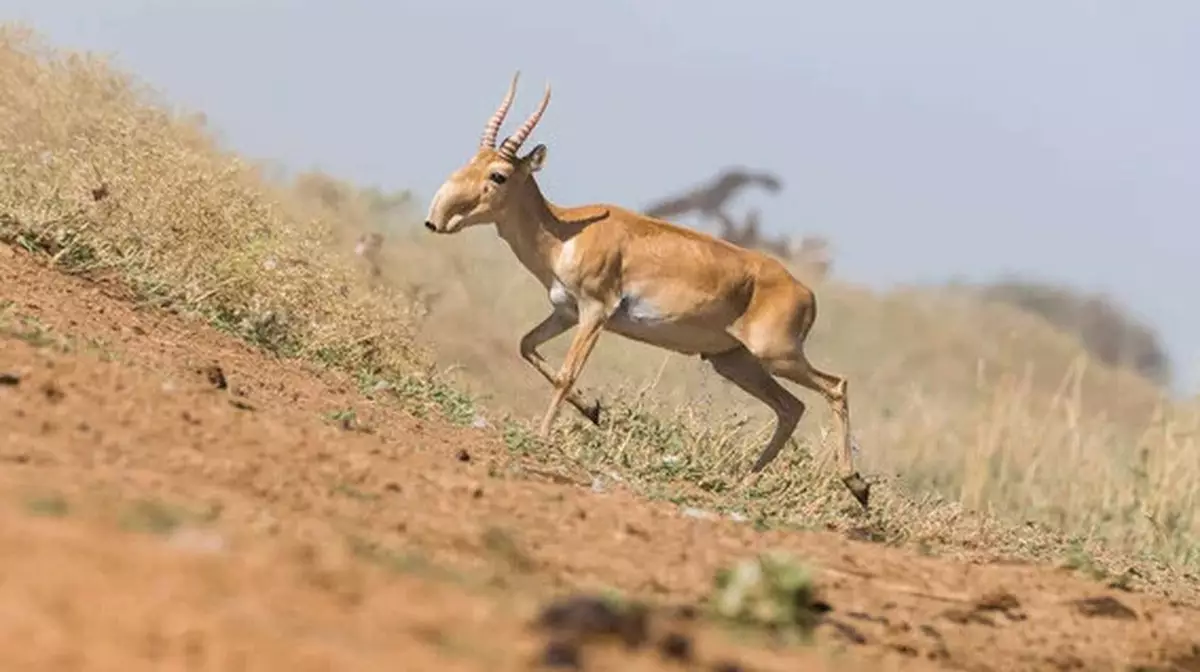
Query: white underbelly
x=640, y=320
x=684, y=338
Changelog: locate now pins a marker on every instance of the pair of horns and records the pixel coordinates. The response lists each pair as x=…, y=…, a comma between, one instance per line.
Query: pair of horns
x=513, y=142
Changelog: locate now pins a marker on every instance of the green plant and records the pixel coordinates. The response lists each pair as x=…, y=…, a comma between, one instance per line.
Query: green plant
x=772, y=591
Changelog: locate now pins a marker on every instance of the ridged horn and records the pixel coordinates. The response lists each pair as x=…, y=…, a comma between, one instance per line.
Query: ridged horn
x=512, y=143
x=493, y=125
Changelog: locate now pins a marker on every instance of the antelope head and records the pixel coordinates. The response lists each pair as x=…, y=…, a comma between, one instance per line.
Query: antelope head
x=482, y=190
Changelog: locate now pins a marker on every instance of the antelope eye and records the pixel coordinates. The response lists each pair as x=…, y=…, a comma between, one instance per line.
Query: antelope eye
x=498, y=178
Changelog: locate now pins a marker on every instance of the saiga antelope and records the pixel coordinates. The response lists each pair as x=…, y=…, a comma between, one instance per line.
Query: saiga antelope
x=609, y=268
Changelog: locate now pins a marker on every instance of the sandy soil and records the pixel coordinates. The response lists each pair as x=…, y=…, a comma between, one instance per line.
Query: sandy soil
x=177, y=500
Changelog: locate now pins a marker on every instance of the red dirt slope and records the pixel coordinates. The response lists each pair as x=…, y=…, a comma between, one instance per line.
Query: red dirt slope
x=177, y=500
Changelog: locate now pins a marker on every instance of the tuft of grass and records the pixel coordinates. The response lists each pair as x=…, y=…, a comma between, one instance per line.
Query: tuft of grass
x=153, y=516
x=53, y=505
x=772, y=592
x=352, y=492
x=30, y=330
x=422, y=392
x=14, y=324
x=402, y=562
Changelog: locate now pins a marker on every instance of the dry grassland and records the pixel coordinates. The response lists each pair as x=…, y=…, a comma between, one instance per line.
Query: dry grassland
x=991, y=433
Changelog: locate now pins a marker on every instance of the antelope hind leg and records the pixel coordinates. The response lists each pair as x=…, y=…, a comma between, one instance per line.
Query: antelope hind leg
x=833, y=389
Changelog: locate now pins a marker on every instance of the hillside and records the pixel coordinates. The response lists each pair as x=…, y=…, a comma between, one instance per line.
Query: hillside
x=193, y=352
x=978, y=401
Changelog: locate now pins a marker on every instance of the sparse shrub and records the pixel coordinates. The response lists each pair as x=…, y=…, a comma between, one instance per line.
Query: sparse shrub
x=1106, y=329
x=772, y=591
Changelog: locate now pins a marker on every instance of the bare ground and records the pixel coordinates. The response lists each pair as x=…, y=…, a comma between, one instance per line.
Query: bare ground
x=178, y=500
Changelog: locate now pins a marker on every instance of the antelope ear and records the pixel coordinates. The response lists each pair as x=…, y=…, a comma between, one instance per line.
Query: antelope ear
x=536, y=158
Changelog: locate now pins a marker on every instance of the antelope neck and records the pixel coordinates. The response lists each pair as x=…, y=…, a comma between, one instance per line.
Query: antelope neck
x=535, y=234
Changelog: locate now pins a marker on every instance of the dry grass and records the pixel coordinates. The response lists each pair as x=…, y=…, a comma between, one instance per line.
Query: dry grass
x=969, y=406
x=103, y=180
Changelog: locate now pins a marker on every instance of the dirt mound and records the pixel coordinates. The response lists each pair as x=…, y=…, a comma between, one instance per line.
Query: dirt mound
x=181, y=500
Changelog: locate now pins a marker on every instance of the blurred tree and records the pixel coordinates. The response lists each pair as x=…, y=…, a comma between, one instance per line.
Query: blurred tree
x=708, y=199
x=1107, y=331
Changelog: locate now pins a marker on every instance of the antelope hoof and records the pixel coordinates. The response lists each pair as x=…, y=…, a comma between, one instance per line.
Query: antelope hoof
x=858, y=487
x=593, y=413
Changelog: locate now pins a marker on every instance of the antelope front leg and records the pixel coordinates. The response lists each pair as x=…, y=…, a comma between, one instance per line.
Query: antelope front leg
x=553, y=326
x=591, y=322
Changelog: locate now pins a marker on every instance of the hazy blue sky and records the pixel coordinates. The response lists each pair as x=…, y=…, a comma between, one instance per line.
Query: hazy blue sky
x=926, y=138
